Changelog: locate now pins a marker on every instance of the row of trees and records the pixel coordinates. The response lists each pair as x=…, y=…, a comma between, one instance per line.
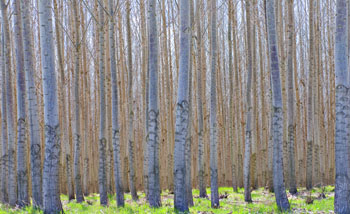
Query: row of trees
x=284, y=128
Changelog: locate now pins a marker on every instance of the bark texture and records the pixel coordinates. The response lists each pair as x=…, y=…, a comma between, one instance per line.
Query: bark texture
x=182, y=108
x=115, y=117
x=277, y=117
x=76, y=136
x=213, y=120
x=153, y=111
x=34, y=130
x=342, y=109
x=51, y=190
x=102, y=172
x=22, y=169
x=12, y=186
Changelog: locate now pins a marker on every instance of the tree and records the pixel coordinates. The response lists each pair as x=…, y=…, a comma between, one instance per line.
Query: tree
x=130, y=108
x=248, y=131
x=22, y=170
x=153, y=111
x=188, y=147
x=310, y=106
x=12, y=186
x=76, y=137
x=34, y=131
x=102, y=172
x=63, y=111
x=4, y=151
x=51, y=194
x=290, y=82
x=115, y=117
x=342, y=188
x=213, y=120
x=182, y=108
x=232, y=105
x=201, y=169
x=277, y=114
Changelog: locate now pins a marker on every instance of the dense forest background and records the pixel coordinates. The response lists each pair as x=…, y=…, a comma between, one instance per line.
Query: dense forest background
x=105, y=96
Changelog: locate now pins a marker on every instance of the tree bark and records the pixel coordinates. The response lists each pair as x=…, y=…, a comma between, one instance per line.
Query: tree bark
x=153, y=111
x=115, y=116
x=277, y=118
x=310, y=101
x=34, y=130
x=4, y=154
x=22, y=170
x=248, y=131
x=201, y=169
x=213, y=120
x=12, y=186
x=130, y=108
x=102, y=173
x=182, y=109
x=76, y=135
x=51, y=194
x=290, y=82
x=342, y=188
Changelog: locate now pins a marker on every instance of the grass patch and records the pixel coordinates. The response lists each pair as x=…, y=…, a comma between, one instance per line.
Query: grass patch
x=230, y=202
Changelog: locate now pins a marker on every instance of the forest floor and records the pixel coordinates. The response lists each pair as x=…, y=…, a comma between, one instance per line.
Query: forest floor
x=319, y=200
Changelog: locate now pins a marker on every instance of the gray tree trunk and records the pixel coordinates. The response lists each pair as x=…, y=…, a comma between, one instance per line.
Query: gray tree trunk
x=201, y=169
x=153, y=110
x=248, y=131
x=22, y=170
x=342, y=188
x=277, y=118
x=102, y=172
x=12, y=186
x=182, y=108
x=310, y=101
x=51, y=194
x=131, y=111
x=34, y=130
x=76, y=134
x=188, y=152
x=214, y=193
x=4, y=154
x=291, y=123
x=115, y=117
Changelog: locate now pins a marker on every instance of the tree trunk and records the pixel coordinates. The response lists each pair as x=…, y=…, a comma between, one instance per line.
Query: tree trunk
x=12, y=186
x=153, y=112
x=182, y=109
x=131, y=111
x=201, y=169
x=4, y=154
x=63, y=113
x=77, y=139
x=34, y=130
x=115, y=116
x=188, y=152
x=213, y=120
x=291, y=123
x=277, y=118
x=232, y=105
x=22, y=170
x=102, y=173
x=248, y=131
x=342, y=188
x=310, y=102
x=51, y=194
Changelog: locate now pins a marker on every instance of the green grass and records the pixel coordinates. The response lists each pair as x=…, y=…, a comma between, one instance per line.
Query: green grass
x=263, y=202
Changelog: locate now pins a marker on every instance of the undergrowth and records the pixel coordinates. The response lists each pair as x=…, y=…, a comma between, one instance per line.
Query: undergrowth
x=230, y=202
